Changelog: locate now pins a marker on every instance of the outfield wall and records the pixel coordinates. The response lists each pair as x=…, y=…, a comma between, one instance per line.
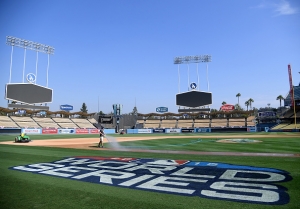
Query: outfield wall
x=10, y=130
x=32, y=131
x=189, y=130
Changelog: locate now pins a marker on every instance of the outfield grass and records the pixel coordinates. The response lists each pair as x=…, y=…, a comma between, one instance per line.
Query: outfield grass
x=267, y=145
x=27, y=190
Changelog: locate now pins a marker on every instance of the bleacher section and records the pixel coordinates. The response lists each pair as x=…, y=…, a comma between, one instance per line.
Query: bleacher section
x=107, y=126
x=185, y=123
x=45, y=122
x=92, y=120
x=25, y=122
x=237, y=122
x=139, y=124
x=168, y=124
x=82, y=123
x=219, y=122
x=6, y=122
x=152, y=124
x=280, y=126
x=250, y=121
x=201, y=123
x=292, y=126
x=289, y=113
x=65, y=122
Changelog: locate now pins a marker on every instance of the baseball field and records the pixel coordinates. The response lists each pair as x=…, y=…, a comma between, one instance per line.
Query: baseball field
x=203, y=170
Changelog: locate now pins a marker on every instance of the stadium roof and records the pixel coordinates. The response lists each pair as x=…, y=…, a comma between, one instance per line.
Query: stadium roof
x=287, y=101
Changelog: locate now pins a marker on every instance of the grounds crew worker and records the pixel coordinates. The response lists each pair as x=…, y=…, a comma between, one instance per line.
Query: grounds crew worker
x=102, y=134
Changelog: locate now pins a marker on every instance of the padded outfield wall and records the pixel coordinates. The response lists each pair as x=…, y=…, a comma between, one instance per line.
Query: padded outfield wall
x=189, y=130
x=30, y=131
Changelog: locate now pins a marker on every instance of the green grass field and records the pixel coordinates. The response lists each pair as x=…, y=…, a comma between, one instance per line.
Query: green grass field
x=31, y=190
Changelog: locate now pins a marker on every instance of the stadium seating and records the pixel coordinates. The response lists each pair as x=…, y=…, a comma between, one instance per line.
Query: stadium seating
x=201, y=123
x=152, y=124
x=288, y=113
x=82, y=123
x=139, y=124
x=168, y=124
x=67, y=125
x=219, y=122
x=45, y=122
x=92, y=120
x=238, y=122
x=140, y=121
x=280, y=126
x=24, y=122
x=187, y=123
x=6, y=122
x=291, y=126
x=108, y=126
x=65, y=122
x=250, y=121
x=62, y=120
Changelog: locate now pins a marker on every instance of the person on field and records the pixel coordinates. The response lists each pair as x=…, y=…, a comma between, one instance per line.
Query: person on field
x=102, y=134
x=22, y=136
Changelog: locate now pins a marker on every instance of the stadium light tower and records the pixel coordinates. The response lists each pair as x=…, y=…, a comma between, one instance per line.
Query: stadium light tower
x=192, y=59
x=13, y=41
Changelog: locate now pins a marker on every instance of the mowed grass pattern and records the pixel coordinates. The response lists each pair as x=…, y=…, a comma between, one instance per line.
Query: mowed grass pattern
x=267, y=145
x=27, y=190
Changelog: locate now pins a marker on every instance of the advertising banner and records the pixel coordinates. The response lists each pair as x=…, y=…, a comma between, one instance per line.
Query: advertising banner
x=158, y=130
x=82, y=131
x=94, y=131
x=202, y=130
x=227, y=107
x=161, y=109
x=66, y=131
x=173, y=130
x=109, y=131
x=49, y=131
x=251, y=128
x=144, y=131
x=187, y=130
x=31, y=131
x=66, y=107
x=132, y=131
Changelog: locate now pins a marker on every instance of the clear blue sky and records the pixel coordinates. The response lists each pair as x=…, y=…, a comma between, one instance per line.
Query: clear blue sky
x=122, y=51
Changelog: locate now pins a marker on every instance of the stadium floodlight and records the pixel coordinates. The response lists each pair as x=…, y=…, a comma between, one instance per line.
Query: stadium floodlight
x=22, y=43
x=192, y=59
x=177, y=60
x=13, y=41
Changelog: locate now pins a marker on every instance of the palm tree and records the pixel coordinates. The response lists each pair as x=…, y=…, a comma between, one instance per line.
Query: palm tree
x=250, y=102
x=247, y=104
x=223, y=103
x=238, y=96
x=280, y=97
x=237, y=107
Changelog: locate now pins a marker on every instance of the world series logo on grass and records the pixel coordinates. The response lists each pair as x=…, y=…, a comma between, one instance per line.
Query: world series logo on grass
x=204, y=179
